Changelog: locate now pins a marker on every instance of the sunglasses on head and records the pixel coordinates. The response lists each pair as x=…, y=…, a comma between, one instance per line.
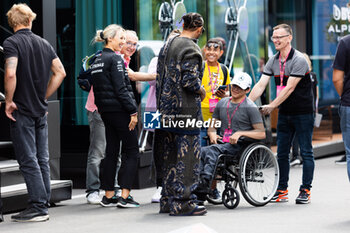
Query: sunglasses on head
x=214, y=45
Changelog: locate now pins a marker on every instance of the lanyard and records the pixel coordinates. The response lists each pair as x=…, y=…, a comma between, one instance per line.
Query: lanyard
x=213, y=84
x=234, y=111
x=284, y=67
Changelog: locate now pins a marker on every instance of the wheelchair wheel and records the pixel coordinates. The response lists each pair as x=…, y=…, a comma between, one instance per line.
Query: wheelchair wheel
x=230, y=198
x=258, y=175
x=222, y=184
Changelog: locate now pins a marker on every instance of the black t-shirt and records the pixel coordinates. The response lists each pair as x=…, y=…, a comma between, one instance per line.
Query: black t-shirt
x=342, y=62
x=301, y=100
x=35, y=57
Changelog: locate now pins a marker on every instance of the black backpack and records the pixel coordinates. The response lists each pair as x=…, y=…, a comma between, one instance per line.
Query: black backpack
x=84, y=77
x=224, y=71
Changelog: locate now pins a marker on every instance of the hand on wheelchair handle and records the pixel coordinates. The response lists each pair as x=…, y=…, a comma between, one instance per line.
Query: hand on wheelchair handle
x=266, y=109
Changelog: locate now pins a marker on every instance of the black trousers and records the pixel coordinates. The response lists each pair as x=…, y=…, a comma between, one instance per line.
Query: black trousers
x=116, y=126
x=0, y=199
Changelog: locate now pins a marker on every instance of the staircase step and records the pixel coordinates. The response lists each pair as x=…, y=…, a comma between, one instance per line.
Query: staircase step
x=6, y=150
x=10, y=173
x=8, y=165
x=5, y=144
x=15, y=197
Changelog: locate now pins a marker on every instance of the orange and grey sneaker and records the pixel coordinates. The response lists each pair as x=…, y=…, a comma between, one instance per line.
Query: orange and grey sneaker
x=303, y=197
x=280, y=196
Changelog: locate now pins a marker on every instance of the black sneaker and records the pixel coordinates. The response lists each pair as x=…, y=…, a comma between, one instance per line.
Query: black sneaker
x=1, y=217
x=109, y=202
x=127, y=203
x=342, y=160
x=197, y=211
x=303, y=197
x=30, y=215
x=280, y=196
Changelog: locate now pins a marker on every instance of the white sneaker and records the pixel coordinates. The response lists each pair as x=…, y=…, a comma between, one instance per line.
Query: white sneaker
x=93, y=198
x=157, y=195
x=295, y=162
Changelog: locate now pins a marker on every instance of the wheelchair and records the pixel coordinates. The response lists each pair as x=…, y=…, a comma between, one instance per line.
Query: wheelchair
x=254, y=169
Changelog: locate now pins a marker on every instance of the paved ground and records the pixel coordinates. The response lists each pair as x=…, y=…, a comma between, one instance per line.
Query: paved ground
x=328, y=212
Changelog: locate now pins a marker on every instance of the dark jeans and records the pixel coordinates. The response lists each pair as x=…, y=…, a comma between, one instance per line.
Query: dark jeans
x=295, y=149
x=344, y=113
x=116, y=127
x=300, y=126
x=210, y=154
x=30, y=141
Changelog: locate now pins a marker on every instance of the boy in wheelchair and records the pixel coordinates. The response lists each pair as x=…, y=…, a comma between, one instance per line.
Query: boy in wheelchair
x=239, y=117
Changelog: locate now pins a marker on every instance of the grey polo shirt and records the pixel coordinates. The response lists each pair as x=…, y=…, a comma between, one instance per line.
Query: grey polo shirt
x=301, y=100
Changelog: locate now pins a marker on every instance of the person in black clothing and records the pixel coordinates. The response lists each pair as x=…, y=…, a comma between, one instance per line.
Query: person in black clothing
x=116, y=103
x=296, y=159
x=33, y=72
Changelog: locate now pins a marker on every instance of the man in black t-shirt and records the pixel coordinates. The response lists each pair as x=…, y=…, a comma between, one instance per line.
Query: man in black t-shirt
x=296, y=110
x=28, y=84
x=341, y=81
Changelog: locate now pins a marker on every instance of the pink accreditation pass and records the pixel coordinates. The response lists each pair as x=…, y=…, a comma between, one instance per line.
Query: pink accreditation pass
x=212, y=104
x=227, y=134
x=279, y=89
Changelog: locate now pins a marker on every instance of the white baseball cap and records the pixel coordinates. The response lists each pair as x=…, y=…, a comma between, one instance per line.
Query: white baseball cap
x=242, y=79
